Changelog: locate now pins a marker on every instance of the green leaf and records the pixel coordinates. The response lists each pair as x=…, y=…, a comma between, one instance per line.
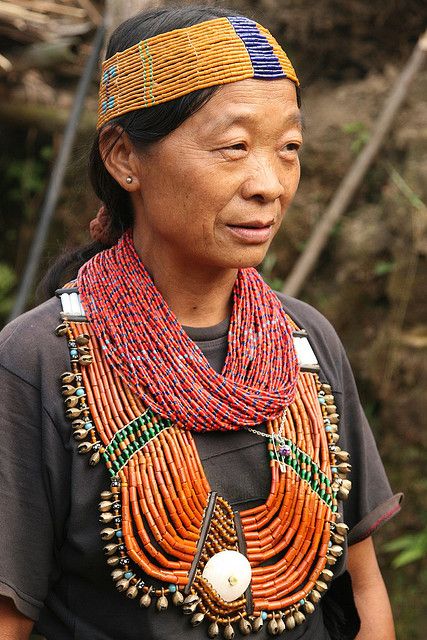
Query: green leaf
x=383, y=267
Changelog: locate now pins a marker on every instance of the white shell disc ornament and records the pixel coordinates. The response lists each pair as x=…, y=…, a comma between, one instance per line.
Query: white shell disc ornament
x=229, y=573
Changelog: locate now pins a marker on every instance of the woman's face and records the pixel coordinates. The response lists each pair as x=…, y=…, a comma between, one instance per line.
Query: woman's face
x=213, y=192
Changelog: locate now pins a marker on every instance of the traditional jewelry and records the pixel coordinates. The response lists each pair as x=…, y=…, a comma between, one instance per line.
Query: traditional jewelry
x=129, y=179
x=173, y=64
x=160, y=516
x=145, y=344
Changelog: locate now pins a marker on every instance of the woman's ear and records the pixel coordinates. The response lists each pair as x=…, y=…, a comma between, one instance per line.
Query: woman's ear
x=119, y=157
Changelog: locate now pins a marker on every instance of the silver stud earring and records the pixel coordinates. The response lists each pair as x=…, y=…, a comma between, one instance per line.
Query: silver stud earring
x=129, y=179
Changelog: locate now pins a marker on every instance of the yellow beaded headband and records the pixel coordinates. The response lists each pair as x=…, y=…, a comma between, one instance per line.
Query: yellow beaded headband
x=173, y=64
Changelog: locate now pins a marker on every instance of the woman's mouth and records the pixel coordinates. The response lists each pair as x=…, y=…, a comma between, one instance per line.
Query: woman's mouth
x=254, y=232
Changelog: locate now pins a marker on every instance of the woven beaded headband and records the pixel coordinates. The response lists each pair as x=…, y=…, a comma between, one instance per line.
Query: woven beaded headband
x=173, y=64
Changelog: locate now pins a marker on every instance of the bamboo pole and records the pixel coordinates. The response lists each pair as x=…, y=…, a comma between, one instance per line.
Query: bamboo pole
x=57, y=177
x=45, y=117
x=345, y=192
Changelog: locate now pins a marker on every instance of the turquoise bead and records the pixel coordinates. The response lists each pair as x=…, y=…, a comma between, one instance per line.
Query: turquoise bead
x=264, y=615
x=119, y=533
x=128, y=575
x=172, y=588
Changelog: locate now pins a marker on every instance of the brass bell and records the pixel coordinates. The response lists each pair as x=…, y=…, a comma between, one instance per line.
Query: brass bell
x=245, y=627
x=331, y=408
x=105, y=518
x=117, y=574
x=190, y=603
x=333, y=428
x=83, y=350
x=337, y=538
x=78, y=424
x=308, y=607
x=342, y=494
x=299, y=617
x=321, y=586
x=112, y=561
x=80, y=434
x=257, y=624
x=132, y=592
x=334, y=418
x=326, y=387
x=109, y=549
x=105, y=505
x=340, y=527
x=82, y=339
x=342, y=456
x=196, y=619
x=145, y=600
x=71, y=401
x=290, y=622
x=335, y=550
x=94, y=459
x=84, y=447
x=327, y=575
x=122, y=584
x=314, y=596
x=280, y=626
x=72, y=413
x=329, y=399
x=343, y=468
x=85, y=359
x=106, y=495
x=67, y=389
x=162, y=603
x=228, y=632
x=272, y=627
x=177, y=598
x=213, y=630
x=61, y=329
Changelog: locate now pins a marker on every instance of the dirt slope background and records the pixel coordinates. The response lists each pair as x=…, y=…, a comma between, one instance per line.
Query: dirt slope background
x=371, y=280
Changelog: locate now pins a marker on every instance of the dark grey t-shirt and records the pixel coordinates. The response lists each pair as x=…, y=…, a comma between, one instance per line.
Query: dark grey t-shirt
x=51, y=558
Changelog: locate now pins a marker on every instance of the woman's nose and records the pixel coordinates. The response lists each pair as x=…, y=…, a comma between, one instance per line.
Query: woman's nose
x=264, y=182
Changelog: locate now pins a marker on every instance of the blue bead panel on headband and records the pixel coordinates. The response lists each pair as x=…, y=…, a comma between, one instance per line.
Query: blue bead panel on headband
x=264, y=61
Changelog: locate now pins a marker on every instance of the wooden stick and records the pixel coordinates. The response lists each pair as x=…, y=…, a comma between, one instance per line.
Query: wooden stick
x=345, y=192
x=44, y=117
x=46, y=6
x=14, y=12
x=91, y=11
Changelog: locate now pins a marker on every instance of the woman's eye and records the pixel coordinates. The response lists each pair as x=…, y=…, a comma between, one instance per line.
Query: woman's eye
x=292, y=147
x=237, y=150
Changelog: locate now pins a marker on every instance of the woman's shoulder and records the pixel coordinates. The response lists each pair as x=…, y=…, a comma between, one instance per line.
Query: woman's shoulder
x=29, y=342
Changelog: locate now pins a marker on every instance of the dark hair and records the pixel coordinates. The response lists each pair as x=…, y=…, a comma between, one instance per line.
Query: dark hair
x=143, y=127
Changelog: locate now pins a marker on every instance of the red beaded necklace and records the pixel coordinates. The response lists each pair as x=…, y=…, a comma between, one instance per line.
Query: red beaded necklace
x=145, y=344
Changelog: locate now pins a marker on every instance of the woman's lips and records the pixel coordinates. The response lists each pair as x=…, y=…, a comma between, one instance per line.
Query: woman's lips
x=251, y=234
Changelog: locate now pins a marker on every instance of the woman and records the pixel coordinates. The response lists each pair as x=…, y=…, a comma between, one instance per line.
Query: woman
x=208, y=416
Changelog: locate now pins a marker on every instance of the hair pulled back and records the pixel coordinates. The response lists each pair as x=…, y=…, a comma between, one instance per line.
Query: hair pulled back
x=143, y=127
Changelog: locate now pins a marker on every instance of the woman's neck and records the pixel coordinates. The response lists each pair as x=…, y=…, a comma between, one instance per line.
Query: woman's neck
x=198, y=297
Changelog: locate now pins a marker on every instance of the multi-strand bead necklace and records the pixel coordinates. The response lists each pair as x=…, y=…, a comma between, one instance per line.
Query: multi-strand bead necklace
x=145, y=344
x=163, y=524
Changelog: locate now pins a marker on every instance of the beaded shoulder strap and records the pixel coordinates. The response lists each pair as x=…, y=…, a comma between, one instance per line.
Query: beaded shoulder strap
x=169, y=535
